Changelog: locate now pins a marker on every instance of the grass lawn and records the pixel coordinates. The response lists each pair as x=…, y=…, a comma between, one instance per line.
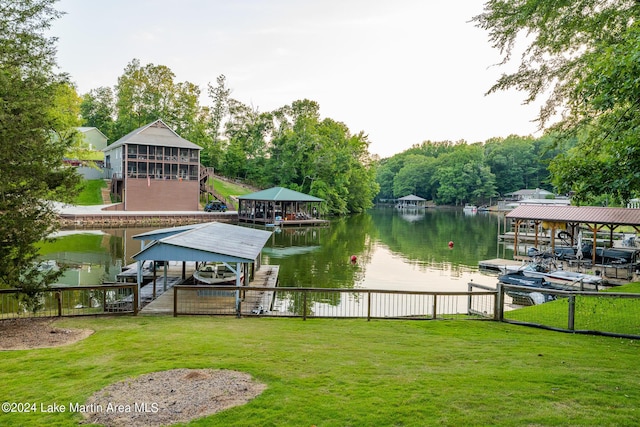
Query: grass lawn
x=599, y=314
x=326, y=372
x=90, y=192
x=230, y=189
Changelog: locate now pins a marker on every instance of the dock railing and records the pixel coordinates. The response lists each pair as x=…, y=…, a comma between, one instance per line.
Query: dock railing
x=332, y=303
x=112, y=298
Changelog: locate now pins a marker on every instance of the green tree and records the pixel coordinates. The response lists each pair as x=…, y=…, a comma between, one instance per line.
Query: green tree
x=516, y=163
x=582, y=55
x=462, y=176
x=321, y=157
x=31, y=155
x=415, y=177
x=219, y=94
x=98, y=110
x=147, y=93
x=385, y=175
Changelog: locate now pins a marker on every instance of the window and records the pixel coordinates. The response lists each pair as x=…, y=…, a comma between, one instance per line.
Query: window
x=132, y=170
x=142, y=169
x=132, y=151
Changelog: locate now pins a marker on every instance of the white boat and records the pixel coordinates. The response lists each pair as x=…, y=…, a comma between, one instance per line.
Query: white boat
x=215, y=274
x=564, y=276
x=470, y=208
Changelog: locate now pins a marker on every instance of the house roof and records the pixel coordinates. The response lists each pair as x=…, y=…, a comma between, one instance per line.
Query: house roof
x=577, y=214
x=155, y=133
x=280, y=194
x=85, y=129
x=411, y=198
x=214, y=241
x=166, y=232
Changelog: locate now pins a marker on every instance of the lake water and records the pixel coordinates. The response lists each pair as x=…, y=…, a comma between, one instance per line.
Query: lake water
x=395, y=250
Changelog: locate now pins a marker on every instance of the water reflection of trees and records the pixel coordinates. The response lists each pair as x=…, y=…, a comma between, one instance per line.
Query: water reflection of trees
x=426, y=240
x=328, y=266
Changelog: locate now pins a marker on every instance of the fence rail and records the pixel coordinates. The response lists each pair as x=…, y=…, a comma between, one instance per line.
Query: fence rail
x=330, y=303
x=70, y=301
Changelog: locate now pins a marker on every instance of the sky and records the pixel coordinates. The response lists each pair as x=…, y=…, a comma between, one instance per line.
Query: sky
x=401, y=71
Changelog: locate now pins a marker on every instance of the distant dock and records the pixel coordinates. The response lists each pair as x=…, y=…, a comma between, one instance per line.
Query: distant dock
x=497, y=264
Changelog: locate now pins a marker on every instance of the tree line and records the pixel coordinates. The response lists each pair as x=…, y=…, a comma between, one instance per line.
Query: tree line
x=457, y=173
x=291, y=146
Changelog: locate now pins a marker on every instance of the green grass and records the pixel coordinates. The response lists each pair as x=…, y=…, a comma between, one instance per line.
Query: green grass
x=90, y=192
x=230, y=189
x=615, y=315
x=347, y=372
x=74, y=243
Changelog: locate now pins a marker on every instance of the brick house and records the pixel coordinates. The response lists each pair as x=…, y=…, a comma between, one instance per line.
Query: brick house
x=154, y=169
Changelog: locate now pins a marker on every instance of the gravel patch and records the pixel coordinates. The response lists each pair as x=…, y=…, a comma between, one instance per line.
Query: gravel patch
x=29, y=333
x=168, y=397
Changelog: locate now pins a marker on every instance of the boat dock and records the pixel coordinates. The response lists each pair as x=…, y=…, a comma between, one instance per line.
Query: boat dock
x=210, y=301
x=129, y=273
x=497, y=264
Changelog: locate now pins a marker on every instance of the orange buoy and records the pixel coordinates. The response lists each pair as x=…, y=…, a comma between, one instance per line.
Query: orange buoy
x=450, y=244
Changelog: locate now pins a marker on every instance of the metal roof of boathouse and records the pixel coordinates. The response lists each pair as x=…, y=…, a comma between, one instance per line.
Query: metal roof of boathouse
x=412, y=198
x=214, y=241
x=577, y=214
x=280, y=194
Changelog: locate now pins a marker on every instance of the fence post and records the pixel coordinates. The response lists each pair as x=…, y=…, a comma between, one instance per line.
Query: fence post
x=435, y=307
x=572, y=312
x=368, y=306
x=175, y=301
x=304, y=305
x=136, y=300
x=499, y=303
x=59, y=298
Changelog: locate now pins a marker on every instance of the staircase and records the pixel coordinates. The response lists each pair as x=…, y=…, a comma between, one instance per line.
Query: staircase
x=206, y=174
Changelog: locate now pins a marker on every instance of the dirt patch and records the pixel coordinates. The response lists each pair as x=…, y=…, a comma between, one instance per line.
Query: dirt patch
x=168, y=397
x=25, y=334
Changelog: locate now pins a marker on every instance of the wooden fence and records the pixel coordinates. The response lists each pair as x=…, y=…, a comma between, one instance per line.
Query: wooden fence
x=601, y=313
x=116, y=298
x=331, y=303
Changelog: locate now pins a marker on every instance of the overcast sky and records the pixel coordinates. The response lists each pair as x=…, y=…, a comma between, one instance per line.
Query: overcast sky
x=402, y=71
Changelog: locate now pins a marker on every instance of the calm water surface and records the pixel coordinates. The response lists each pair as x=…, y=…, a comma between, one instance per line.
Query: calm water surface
x=395, y=249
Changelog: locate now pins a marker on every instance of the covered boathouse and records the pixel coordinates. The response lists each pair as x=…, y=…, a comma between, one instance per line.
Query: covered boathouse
x=236, y=247
x=280, y=206
x=571, y=219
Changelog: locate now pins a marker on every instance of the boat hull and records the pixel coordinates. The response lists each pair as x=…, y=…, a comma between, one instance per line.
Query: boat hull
x=215, y=275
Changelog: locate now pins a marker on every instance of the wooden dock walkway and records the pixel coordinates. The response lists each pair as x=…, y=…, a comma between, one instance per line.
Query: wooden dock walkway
x=207, y=300
x=129, y=273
